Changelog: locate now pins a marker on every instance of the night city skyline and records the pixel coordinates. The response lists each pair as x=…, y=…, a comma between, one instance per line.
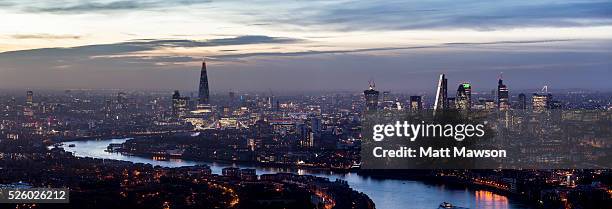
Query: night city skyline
x=318, y=104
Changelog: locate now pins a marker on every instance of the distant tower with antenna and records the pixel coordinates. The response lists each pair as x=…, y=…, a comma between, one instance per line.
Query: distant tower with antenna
x=503, y=101
x=371, y=97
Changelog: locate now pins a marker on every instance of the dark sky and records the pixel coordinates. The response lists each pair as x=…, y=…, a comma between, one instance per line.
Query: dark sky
x=305, y=45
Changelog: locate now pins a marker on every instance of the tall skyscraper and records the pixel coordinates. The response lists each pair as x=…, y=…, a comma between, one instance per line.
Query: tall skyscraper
x=232, y=99
x=416, y=103
x=29, y=98
x=464, y=96
x=503, y=103
x=179, y=104
x=522, y=101
x=441, y=94
x=541, y=101
x=315, y=125
x=203, y=94
x=388, y=101
x=371, y=97
x=28, y=109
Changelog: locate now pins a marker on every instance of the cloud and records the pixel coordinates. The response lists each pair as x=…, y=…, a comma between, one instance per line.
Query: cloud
x=313, y=52
x=87, y=7
x=123, y=54
x=147, y=60
x=409, y=68
x=6, y=4
x=473, y=14
x=124, y=51
x=127, y=52
x=143, y=45
x=355, y=15
x=239, y=40
x=44, y=36
x=512, y=42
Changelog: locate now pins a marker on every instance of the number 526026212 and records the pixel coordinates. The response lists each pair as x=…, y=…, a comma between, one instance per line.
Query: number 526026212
x=34, y=195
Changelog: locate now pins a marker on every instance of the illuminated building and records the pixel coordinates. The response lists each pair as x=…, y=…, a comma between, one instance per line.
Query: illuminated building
x=29, y=98
x=441, y=94
x=451, y=103
x=311, y=140
x=28, y=111
x=502, y=95
x=541, y=101
x=231, y=172
x=388, y=101
x=248, y=174
x=371, y=97
x=416, y=103
x=464, y=96
x=386, y=96
x=229, y=122
x=179, y=105
x=489, y=104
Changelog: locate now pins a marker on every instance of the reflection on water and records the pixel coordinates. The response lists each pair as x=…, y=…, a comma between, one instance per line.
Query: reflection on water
x=491, y=200
x=387, y=194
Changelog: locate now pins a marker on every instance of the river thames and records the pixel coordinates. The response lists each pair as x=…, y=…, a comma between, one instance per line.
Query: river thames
x=386, y=194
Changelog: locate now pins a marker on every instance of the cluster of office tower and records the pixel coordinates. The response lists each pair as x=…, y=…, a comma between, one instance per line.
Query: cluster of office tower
x=463, y=99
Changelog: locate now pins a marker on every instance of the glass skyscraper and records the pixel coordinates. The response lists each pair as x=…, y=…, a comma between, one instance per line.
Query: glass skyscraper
x=203, y=94
x=502, y=95
x=441, y=94
x=464, y=96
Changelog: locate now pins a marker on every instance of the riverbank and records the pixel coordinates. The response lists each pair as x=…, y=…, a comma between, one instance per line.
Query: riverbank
x=385, y=192
x=430, y=177
x=426, y=176
x=240, y=162
x=92, y=182
x=115, y=136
